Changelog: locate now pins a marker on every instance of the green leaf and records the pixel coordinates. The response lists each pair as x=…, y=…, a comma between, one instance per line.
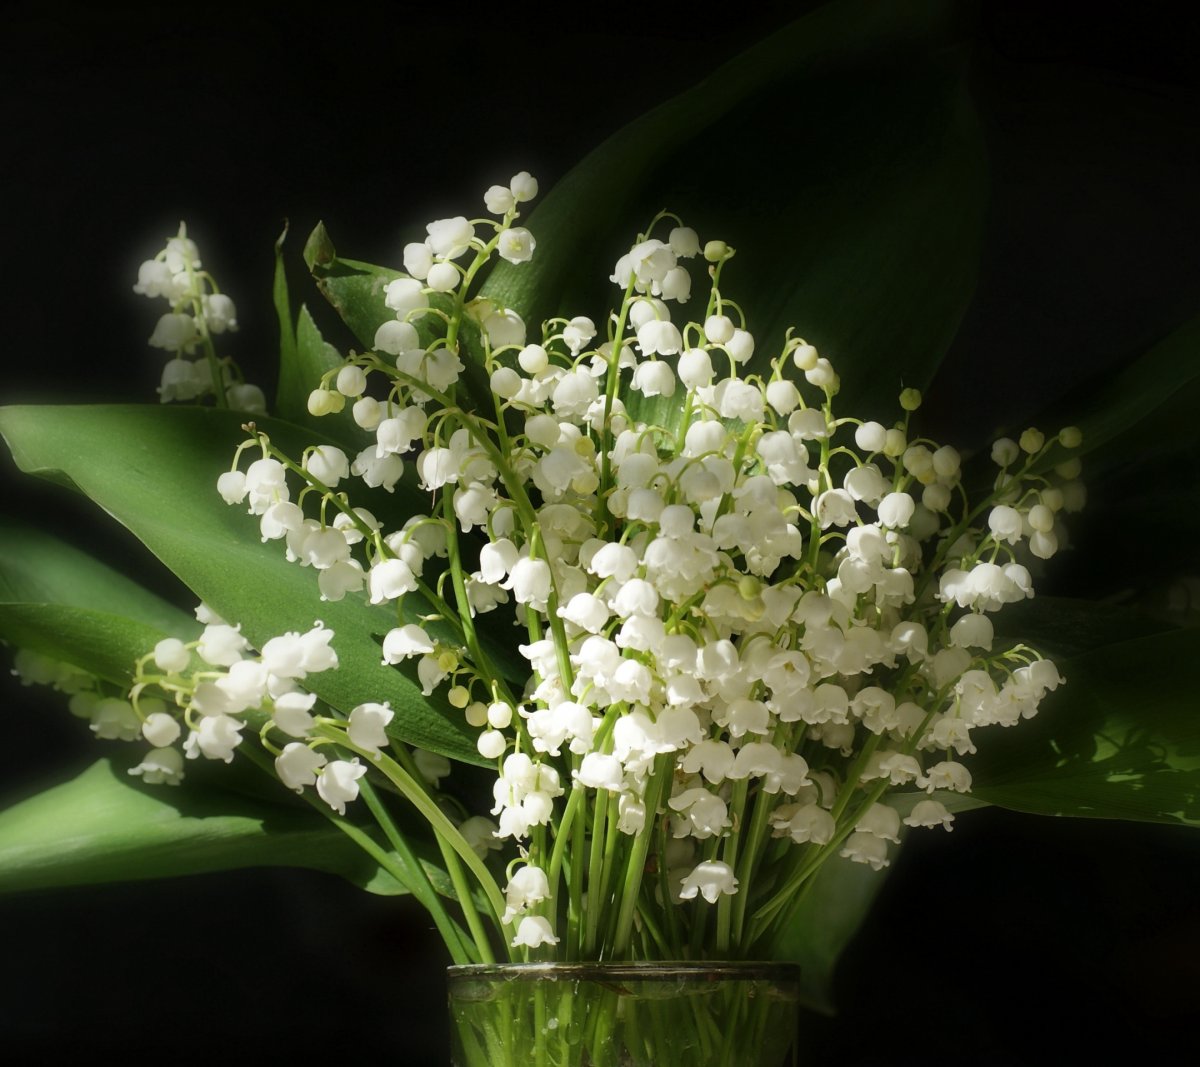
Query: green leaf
x=304, y=357
x=1062, y=627
x=37, y=568
x=105, y=826
x=289, y=388
x=354, y=289
x=154, y=470
x=100, y=643
x=1124, y=402
x=854, y=194
x=62, y=603
x=837, y=904
x=831, y=913
x=1120, y=740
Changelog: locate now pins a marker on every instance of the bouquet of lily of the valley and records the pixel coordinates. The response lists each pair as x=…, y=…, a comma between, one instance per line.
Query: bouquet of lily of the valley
x=570, y=601
x=707, y=631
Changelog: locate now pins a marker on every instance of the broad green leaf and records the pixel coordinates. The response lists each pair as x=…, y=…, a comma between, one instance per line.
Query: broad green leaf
x=155, y=470
x=100, y=643
x=837, y=904
x=37, y=568
x=64, y=604
x=1145, y=389
x=841, y=158
x=1061, y=627
x=105, y=826
x=1120, y=740
x=828, y=918
x=316, y=356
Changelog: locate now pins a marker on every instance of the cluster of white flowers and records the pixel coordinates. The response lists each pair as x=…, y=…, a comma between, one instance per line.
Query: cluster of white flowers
x=757, y=606
x=199, y=310
x=194, y=700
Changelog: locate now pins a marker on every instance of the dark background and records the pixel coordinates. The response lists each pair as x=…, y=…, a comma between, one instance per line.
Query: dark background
x=1013, y=941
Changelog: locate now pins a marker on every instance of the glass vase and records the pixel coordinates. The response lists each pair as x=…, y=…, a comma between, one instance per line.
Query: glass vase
x=623, y=1014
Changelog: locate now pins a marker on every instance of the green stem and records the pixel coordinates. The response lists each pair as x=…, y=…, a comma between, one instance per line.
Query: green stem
x=610, y=394
x=437, y=819
x=749, y=861
x=594, y=877
x=483, y=663
x=741, y=792
x=409, y=872
x=636, y=864
x=419, y=885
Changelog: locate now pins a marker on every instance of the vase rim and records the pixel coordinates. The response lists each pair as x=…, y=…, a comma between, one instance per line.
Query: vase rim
x=608, y=970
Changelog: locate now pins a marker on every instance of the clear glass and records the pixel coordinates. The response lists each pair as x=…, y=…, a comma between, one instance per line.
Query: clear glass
x=623, y=1015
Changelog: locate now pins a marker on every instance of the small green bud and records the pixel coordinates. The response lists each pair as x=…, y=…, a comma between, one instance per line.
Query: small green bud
x=749, y=587
x=715, y=251
x=325, y=402
x=894, y=443
x=458, y=696
x=1070, y=437
x=910, y=399
x=1032, y=441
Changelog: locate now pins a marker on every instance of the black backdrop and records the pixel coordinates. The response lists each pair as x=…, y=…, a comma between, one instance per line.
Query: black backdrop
x=1012, y=941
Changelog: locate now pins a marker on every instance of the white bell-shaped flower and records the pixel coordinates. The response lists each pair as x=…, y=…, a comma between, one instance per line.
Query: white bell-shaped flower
x=710, y=879
x=534, y=931
x=160, y=766
x=297, y=765
x=367, y=726
x=337, y=783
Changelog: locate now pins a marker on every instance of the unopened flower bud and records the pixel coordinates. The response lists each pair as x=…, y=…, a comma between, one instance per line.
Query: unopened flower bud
x=1053, y=498
x=1041, y=518
x=499, y=200
x=1032, y=441
x=804, y=356
x=505, y=382
x=351, y=381
x=533, y=359
x=368, y=412
x=1070, y=469
x=715, y=251
x=1005, y=452
x=325, y=402
x=499, y=715
x=946, y=462
x=821, y=374
x=491, y=744
x=524, y=187
x=442, y=277
x=749, y=587
x=871, y=437
x=171, y=656
x=894, y=443
x=718, y=329
x=910, y=399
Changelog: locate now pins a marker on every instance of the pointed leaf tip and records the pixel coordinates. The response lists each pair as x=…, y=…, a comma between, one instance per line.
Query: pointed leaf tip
x=318, y=249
